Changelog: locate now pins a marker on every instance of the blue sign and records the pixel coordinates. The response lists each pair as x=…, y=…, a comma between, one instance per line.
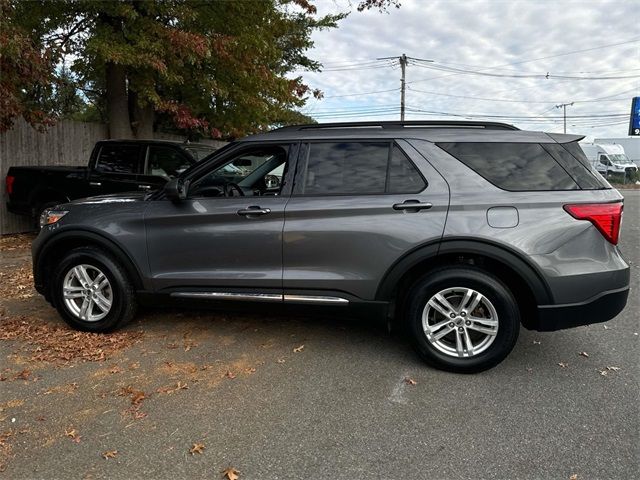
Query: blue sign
x=634, y=122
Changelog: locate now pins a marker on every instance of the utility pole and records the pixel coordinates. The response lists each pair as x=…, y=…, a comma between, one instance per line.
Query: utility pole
x=403, y=59
x=564, y=108
x=403, y=66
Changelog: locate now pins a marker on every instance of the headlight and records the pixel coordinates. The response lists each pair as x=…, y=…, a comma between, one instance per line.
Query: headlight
x=49, y=217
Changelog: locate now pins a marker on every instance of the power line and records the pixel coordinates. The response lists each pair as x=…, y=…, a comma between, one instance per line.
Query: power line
x=603, y=99
x=542, y=58
x=362, y=93
x=546, y=76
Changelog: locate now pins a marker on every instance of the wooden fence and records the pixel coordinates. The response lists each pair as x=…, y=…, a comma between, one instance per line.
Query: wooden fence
x=66, y=143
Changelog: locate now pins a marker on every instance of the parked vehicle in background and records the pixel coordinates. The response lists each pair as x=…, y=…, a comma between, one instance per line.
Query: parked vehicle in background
x=631, y=146
x=114, y=166
x=610, y=159
x=459, y=231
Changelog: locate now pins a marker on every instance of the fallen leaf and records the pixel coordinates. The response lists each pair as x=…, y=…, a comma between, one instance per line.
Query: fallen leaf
x=298, y=349
x=563, y=365
x=71, y=433
x=584, y=354
x=410, y=381
x=115, y=369
x=109, y=454
x=605, y=327
x=196, y=448
x=280, y=360
x=23, y=375
x=250, y=370
x=603, y=372
x=613, y=369
x=137, y=398
x=230, y=375
x=536, y=342
x=231, y=473
x=574, y=477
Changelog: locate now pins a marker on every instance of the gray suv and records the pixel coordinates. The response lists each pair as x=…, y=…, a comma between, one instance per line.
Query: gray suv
x=460, y=231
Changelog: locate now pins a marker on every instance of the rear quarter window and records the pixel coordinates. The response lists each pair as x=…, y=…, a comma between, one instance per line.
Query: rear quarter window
x=513, y=166
x=581, y=171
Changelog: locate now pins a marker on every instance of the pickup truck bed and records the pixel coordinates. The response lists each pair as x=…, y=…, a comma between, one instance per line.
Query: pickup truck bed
x=115, y=166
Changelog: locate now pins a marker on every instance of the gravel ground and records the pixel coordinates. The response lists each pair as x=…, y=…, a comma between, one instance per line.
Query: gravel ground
x=190, y=394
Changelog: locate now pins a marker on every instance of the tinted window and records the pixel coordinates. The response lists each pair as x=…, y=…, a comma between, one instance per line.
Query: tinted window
x=346, y=168
x=259, y=171
x=584, y=176
x=119, y=159
x=513, y=166
x=166, y=162
x=403, y=175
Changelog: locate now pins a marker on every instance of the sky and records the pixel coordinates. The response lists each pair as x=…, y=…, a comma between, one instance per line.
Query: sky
x=490, y=61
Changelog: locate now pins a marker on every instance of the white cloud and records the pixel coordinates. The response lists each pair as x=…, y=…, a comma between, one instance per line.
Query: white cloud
x=478, y=35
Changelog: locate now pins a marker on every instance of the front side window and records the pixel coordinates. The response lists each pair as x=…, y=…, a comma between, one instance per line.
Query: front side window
x=119, y=159
x=356, y=168
x=513, y=166
x=254, y=172
x=166, y=162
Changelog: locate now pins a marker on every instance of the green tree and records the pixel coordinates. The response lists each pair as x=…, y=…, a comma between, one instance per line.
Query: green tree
x=214, y=67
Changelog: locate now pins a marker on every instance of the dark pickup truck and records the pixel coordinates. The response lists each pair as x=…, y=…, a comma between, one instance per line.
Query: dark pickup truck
x=114, y=166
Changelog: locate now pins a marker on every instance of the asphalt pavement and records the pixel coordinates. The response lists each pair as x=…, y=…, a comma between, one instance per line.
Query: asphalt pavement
x=294, y=397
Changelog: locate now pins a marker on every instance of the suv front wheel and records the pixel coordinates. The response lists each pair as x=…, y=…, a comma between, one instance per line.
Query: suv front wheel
x=91, y=291
x=462, y=319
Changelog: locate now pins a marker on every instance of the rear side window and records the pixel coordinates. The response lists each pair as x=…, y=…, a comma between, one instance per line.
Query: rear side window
x=403, y=175
x=513, y=166
x=119, y=159
x=584, y=175
x=356, y=168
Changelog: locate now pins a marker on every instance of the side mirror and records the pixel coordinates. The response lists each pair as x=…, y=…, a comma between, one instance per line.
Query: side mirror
x=176, y=189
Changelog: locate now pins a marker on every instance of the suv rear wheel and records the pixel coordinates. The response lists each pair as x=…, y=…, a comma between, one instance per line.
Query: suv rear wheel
x=462, y=319
x=91, y=291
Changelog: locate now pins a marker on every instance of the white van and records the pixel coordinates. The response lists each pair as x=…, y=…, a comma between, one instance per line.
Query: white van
x=608, y=158
x=631, y=146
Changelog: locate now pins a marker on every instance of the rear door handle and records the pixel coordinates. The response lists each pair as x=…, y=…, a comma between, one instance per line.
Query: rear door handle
x=413, y=205
x=95, y=184
x=253, y=210
x=144, y=187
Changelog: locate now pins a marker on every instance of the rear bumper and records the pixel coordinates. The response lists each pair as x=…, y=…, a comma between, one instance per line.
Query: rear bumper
x=597, y=309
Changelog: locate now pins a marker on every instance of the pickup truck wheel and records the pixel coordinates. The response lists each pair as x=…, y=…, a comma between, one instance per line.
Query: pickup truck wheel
x=91, y=291
x=462, y=319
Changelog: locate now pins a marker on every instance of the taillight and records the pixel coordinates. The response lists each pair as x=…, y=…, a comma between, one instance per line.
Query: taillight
x=9, y=183
x=606, y=217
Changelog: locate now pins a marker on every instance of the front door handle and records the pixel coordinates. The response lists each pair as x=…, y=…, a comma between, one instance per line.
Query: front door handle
x=144, y=187
x=253, y=210
x=412, y=205
x=95, y=184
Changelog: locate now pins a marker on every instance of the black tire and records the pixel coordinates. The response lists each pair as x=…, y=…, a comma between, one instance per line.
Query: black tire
x=481, y=281
x=124, y=304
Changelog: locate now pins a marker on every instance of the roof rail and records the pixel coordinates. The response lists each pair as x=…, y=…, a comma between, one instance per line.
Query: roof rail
x=398, y=124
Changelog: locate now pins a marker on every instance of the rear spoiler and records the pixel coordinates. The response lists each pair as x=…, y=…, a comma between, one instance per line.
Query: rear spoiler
x=565, y=138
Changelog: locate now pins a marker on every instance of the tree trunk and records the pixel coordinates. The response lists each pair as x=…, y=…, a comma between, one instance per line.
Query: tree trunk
x=141, y=117
x=117, y=107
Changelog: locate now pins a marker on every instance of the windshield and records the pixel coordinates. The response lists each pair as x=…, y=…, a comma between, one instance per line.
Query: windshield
x=620, y=158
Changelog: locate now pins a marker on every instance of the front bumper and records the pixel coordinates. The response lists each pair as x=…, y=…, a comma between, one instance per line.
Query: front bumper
x=597, y=309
